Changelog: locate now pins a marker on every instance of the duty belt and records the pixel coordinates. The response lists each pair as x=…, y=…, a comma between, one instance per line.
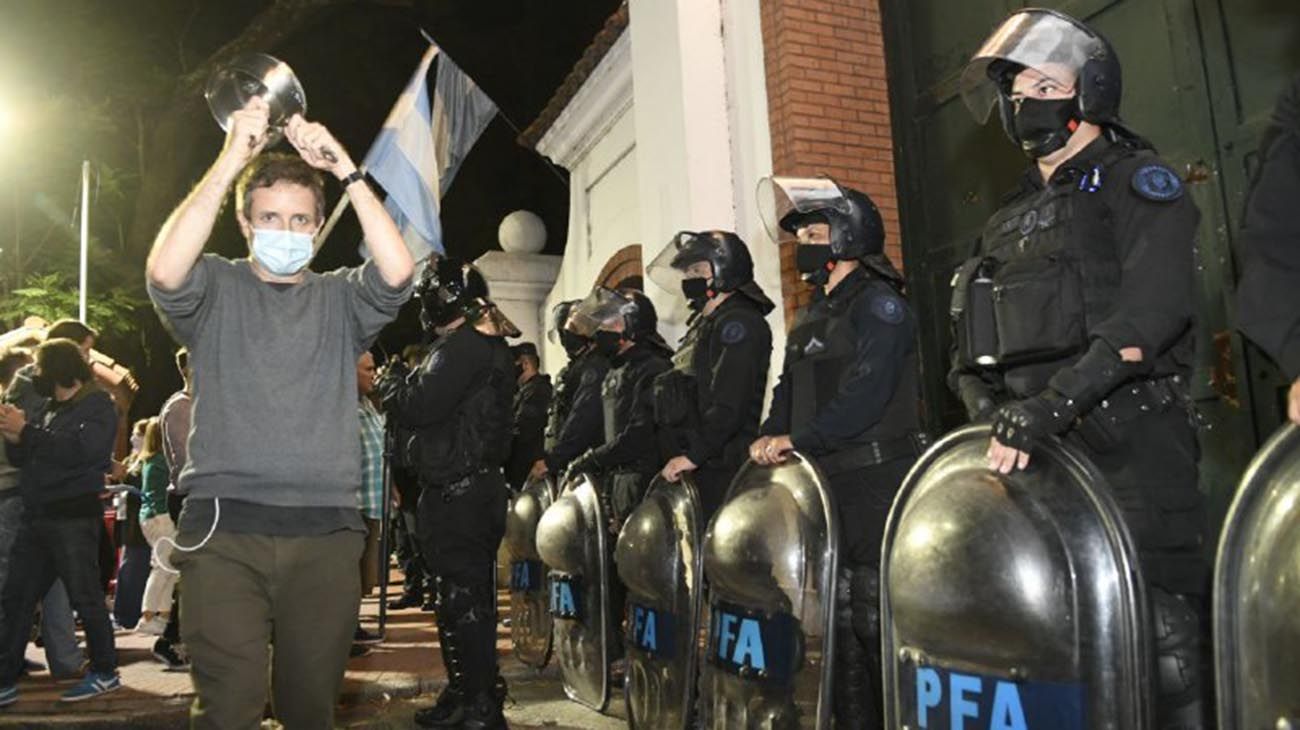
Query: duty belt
x=874, y=453
x=1148, y=396
x=452, y=490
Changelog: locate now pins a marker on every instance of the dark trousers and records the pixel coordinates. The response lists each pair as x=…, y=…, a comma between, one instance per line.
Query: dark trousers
x=460, y=534
x=132, y=574
x=863, y=498
x=415, y=574
x=46, y=549
x=712, y=483
x=1150, y=464
x=1150, y=460
x=241, y=593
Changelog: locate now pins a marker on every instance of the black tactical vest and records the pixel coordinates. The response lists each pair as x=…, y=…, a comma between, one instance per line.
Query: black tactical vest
x=561, y=400
x=477, y=435
x=618, y=395
x=820, y=350
x=697, y=354
x=1051, y=268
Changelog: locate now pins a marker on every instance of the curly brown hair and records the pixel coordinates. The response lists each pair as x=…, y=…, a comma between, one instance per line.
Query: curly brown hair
x=274, y=167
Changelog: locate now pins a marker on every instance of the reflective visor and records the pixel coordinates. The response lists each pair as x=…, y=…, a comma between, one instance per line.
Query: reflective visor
x=782, y=199
x=560, y=314
x=686, y=248
x=1053, y=43
x=601, y=306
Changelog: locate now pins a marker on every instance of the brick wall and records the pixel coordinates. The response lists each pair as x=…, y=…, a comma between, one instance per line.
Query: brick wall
x=828, y=107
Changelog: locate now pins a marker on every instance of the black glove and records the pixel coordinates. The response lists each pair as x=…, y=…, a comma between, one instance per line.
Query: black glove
x=1020, y=423
x=977, y=396
x=585, y=462
x=394, y=373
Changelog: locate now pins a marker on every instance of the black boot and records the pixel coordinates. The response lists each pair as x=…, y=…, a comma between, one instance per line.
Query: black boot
x=850, y=679
x=412, y=594
x=484, y=713
x=449, y=709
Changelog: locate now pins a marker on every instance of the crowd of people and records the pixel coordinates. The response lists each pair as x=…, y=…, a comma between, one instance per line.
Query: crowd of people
x=266, y=474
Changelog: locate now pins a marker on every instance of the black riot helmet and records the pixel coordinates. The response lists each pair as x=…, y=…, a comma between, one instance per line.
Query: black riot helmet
x=605, y=308
x=724, y=251
x=562, y=333
x=449, y=288
x=1059, y=47
x=730, y=264
x=788, y=203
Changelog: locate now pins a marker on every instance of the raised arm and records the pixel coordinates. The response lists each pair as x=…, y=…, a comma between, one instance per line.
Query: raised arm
x=181, y=240
x=383, y=239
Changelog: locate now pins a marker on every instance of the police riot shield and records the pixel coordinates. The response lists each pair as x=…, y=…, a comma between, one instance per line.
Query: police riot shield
x=658, y=559
x=571, y=540
x=530, y=617
x=769, y=560
x=1012, y=601
x=1257, y=590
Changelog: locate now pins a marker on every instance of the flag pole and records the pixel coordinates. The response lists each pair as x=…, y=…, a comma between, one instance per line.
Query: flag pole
x=85, y=236
x=333, y=220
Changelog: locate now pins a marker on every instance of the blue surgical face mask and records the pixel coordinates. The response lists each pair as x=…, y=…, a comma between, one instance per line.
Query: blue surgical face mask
x=282, y=253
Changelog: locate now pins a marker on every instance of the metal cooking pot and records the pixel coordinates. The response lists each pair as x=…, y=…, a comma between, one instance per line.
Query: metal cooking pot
x=256, y=74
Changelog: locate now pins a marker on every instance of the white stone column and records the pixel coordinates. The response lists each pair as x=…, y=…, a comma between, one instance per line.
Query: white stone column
x=519, y=277
x=680, y=90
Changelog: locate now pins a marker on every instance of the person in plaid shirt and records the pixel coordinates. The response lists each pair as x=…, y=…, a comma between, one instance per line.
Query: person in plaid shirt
x=370, y=495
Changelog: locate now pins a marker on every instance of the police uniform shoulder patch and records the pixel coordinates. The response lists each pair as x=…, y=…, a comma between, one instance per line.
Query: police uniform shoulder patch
x=733, y=332
x=888, y=308
x=590, y=377
x=1158, y=183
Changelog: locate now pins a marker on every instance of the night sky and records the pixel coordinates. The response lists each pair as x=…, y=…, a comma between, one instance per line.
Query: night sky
x=120, y=83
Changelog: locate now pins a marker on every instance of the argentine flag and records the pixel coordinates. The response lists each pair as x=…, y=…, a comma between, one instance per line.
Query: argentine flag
x=421, y=146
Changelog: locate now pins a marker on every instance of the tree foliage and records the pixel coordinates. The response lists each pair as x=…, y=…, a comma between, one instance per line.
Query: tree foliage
x=53, y=297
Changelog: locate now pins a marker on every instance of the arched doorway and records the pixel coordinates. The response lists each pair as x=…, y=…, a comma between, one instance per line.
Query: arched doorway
x=623, y=270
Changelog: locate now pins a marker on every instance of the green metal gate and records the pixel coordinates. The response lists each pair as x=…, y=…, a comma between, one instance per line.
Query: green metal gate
x=1200, y=79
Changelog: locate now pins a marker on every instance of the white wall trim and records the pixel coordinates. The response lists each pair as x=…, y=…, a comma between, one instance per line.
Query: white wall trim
x=604, y=97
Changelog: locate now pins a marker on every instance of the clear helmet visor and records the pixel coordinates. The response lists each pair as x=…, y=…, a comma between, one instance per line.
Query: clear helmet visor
x=675, y=261
x=601, y=308
x=559, y=320
x=780, y=198
x=1053, y=44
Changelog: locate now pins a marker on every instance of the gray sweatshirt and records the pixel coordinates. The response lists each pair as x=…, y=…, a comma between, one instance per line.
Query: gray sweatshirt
x=275, y=383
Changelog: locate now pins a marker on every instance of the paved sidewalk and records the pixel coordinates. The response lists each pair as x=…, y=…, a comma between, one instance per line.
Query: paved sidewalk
x=381, y=690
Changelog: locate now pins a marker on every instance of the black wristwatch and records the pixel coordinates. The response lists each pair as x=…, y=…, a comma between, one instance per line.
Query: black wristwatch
x=352, y=177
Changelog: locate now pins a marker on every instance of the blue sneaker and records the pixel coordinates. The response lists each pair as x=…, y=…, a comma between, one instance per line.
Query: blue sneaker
x=92, y=686
x=8, y=695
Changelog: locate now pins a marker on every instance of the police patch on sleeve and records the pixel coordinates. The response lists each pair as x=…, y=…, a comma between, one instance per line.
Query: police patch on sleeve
x=888, y=308
x=590, y=377
x=1158, y=183
x=733, y=332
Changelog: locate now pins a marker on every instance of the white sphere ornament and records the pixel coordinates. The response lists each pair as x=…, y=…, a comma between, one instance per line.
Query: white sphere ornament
x=522, y=232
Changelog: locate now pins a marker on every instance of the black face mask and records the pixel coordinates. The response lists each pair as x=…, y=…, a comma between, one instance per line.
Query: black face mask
x=607, y=342
x=697, y=292
x=814, y=262
x=43, y=385
x=1043, y=126
x=572, y=343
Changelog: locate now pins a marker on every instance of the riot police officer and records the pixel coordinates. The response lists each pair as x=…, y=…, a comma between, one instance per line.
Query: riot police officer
x=848, y=399
x=576, y=419
x=1268, y=297
x=458, y=403
x=532, y=402
x=1075, y=316
x=624, y=328
x=711, y=402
